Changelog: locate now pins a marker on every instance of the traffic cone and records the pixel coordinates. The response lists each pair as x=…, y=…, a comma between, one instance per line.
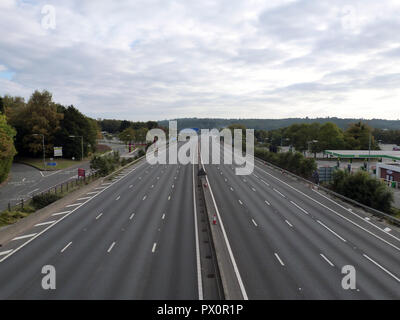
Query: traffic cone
x=215, y=219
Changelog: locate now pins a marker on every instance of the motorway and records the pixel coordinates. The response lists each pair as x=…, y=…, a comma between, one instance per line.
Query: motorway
x=135, y=237
x=291, y=242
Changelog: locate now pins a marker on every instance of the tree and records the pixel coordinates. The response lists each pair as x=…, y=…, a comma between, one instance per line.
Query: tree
x=124, y=125
x=330, y=137
x=7, y=149
x=39, y=116
x=127, y=136
x=74, y=123
x=357, y=136
x=141, y=135
x=363, y=188
x=1, y=105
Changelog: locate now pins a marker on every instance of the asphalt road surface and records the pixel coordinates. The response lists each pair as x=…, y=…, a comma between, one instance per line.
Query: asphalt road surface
x=135, y=238
x=26, y=180
x=131, y=239
x=291, y=242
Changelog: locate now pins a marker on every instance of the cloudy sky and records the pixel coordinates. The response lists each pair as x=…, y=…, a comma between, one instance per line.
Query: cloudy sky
x=162, y=59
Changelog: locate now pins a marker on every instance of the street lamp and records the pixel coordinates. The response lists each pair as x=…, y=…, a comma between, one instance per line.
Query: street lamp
x=369, y=150
x=81, y=143
x=44, y=155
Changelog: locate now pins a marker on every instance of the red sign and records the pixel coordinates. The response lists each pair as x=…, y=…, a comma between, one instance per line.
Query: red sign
x=81, y=172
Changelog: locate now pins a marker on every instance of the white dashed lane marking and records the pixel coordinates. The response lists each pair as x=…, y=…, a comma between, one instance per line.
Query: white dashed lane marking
x=327, y=260
x=111, y=247
x=330, y=230
x=66, y=247
x=279, y=259
x=290, y=225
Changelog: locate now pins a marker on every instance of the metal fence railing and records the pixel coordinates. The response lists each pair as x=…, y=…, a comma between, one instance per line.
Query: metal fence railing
x=373, y=211
x=66, y=186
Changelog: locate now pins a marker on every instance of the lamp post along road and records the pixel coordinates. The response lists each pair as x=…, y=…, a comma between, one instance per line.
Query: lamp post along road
x=81, y=143
x=44, y=153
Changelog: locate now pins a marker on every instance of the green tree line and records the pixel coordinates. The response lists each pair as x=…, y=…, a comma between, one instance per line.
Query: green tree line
x=292, y=161
x=41, y=116
x=317, y=138
x=360, y=186
x=274, y=124
x=7, y=149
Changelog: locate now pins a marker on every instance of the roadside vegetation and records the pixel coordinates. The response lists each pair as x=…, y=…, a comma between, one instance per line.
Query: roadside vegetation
x=292, y=161
x=105, y=165
x=7, y=149
x=361, y=187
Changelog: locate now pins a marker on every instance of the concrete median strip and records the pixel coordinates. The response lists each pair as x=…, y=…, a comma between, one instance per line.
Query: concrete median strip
x=232, y=283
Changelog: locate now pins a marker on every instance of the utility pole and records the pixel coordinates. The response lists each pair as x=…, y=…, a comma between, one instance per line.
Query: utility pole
x=369, y=151
x=81, y=143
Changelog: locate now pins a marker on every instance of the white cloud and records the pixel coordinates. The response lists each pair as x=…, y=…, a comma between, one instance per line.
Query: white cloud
x=156, y=59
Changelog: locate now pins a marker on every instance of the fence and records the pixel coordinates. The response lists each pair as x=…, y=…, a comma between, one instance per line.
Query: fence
x=373, y=211
x=391, y=183
x=62, y=187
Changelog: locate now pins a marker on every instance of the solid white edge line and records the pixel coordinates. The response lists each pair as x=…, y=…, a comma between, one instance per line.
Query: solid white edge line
x=196, y=234
x=235, y=267
x=327, y=260
x=365, y=219
x=377, y=264
x=66, y=247
x=61, y=219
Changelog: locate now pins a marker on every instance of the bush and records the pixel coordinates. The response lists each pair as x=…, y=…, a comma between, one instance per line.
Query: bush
x=42, y=200
x=360, y=186
x=141, y=153
x=292, y=161
x=105, y=164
